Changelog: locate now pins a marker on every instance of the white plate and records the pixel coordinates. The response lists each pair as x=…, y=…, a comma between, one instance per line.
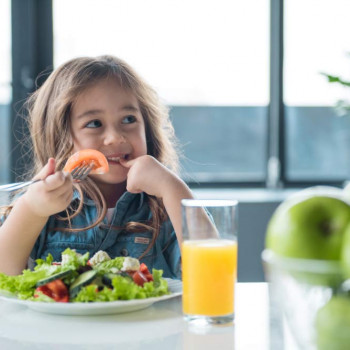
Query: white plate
x=98, y=308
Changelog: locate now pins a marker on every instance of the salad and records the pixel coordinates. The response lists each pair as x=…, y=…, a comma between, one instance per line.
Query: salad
x=80, y=279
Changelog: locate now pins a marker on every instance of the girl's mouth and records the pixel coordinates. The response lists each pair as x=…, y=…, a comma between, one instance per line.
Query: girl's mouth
x=116, y=159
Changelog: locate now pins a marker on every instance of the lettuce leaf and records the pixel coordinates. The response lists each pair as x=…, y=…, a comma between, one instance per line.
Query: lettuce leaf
x=90, y=294
x=23, y=285
x=41, y=262
x=8, y=283
x=72, y=261
x=125, y=289
x=108, y=266
x=158, y=287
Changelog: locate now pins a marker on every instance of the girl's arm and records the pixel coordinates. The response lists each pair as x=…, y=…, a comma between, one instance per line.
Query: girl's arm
x=17, y=237
x=175, y=191
x=29, y=215
x=148, y=175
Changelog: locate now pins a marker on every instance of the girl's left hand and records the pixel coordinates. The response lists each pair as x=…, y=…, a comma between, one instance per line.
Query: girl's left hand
x=147, y=174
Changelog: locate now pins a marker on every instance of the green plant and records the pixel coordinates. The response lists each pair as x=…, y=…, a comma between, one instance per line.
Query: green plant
x=342, y=106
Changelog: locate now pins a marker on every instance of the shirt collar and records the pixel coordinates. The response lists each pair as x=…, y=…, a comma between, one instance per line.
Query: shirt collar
x=126, y=197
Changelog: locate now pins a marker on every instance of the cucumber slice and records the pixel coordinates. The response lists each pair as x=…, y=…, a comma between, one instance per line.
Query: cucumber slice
x=82, y=280
x=57, y=276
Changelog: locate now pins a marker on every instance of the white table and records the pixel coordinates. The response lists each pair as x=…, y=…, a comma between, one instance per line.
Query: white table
x=160, y=326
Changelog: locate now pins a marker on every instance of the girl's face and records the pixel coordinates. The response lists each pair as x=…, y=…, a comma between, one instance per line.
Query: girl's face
x=107, y=118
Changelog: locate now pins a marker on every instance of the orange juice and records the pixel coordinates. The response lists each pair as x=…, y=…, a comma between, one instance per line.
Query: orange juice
x=209, y=269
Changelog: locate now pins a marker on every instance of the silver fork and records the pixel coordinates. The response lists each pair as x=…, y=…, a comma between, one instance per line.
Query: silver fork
x=79, y=173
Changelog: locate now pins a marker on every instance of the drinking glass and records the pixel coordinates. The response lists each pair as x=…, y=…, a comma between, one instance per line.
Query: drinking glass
x=209, y=260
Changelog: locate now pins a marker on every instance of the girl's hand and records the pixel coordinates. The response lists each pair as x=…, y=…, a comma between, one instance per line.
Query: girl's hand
x=148, y=175
x=51, y=195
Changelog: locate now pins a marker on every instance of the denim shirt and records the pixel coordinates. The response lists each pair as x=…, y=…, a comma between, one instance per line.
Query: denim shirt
x=165, y=253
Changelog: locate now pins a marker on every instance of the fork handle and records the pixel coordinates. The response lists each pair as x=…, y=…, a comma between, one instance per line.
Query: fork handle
x=17, y=185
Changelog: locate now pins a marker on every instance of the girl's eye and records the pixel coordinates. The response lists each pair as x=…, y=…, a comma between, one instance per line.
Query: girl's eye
x=129, y=119
x=93, y=124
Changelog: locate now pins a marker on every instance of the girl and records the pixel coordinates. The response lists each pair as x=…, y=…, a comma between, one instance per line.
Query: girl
x=134, y=209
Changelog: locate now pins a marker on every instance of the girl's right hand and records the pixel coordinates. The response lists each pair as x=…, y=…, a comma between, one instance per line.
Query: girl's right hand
x=53, y=194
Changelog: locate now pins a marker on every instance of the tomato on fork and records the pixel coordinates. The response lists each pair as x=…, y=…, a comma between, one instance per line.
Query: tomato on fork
x=88, y=157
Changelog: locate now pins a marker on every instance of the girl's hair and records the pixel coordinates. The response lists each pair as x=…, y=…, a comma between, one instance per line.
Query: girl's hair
x=49, y=124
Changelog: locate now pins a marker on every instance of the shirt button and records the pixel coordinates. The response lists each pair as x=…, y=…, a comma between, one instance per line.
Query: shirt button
x=124, y=252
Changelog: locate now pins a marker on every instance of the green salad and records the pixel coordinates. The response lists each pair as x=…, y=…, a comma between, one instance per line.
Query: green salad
x=80, y=279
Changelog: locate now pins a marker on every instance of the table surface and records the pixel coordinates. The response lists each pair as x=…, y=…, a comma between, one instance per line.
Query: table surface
x=160, y=326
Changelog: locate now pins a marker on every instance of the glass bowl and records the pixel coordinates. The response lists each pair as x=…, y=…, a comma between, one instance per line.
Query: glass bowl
x=298, y=290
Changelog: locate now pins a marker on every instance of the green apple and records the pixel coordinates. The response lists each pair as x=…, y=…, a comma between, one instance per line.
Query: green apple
x=345, y=253
x=309, y=227
x=332, y=324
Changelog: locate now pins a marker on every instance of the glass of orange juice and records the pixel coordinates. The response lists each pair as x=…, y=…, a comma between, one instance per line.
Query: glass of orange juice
x=209, y=260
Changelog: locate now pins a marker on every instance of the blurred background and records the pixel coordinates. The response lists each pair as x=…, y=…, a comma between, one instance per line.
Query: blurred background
x=244, y=81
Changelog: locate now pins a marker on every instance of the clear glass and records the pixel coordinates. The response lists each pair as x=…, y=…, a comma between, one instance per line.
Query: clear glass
x=316, y=42
x=209, y=260
x=5, y=88
x=300, y=292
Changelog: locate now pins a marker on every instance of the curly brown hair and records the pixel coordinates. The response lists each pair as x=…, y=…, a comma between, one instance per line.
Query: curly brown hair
x=49, y=110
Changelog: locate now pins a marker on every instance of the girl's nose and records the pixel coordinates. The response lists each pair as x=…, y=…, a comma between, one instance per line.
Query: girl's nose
x=113, y=136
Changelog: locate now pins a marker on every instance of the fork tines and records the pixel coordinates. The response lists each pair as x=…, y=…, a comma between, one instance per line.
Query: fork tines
x=81, y=171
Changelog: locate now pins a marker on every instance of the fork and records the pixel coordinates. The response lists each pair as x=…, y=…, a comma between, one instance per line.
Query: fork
x=79, y=173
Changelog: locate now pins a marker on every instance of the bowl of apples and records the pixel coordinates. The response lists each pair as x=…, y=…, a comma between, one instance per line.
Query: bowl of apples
x=307, y=264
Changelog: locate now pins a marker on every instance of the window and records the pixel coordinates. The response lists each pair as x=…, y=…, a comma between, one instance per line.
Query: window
x=211, y=64
x=5, y=87
x=316, y=41
x=208, y=62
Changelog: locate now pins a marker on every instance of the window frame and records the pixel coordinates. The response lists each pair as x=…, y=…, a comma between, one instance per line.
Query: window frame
x=32, y=62
x=32, y=54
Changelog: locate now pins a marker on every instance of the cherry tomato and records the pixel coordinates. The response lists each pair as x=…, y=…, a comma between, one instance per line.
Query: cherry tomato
x=56, y=290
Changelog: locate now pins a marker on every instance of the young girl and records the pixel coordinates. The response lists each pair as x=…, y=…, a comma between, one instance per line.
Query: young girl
x=134, y=209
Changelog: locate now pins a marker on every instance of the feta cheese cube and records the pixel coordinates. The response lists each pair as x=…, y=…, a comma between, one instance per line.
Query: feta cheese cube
x=99, y=257
x=131, y=264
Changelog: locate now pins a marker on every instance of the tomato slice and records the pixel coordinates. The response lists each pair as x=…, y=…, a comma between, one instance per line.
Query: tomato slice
x=143, y=268
x=145, y=271
x=139, y=278
x=56, y=290
x=149, y=277
x=88, y=157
